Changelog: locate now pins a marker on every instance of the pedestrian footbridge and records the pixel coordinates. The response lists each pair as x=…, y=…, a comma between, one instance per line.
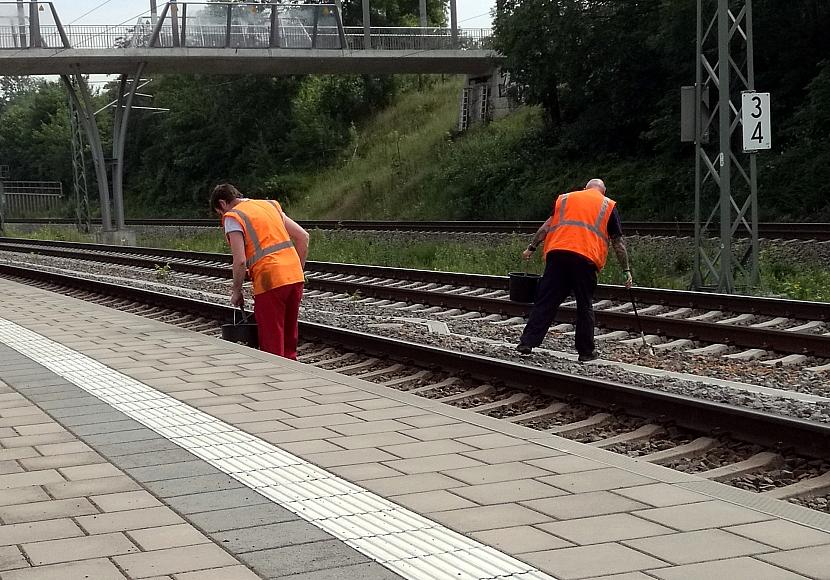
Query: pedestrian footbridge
x=231, y=38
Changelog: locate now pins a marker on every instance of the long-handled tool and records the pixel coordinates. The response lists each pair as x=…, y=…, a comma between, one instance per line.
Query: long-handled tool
x=646, y=345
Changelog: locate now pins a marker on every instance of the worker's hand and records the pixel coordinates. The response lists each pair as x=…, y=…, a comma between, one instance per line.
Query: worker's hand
x=237, y=299
x=527, y=254
x=629, y=280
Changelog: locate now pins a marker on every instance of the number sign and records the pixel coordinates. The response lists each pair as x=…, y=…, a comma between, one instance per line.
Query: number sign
x=755, y=118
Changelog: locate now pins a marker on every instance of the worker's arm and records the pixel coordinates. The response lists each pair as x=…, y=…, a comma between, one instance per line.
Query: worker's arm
x=618, y=243
x=240, y=268
x=299, y=236
x=538, y=238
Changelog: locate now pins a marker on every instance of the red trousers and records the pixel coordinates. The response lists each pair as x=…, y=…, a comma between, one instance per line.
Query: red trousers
x=276, y=313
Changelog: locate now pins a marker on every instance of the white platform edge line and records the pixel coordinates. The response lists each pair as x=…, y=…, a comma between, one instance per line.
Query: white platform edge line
x=325, y=501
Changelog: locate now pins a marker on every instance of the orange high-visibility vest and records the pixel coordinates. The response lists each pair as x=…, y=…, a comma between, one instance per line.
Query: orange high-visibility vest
x=270, y=255
x=579, y=224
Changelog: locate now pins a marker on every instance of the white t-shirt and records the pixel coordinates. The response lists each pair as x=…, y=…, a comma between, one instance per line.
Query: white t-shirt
x=232, y=224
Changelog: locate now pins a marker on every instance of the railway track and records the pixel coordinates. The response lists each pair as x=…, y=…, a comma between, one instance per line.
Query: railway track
x=780, y=331
x=794, y=231
x=718, y=441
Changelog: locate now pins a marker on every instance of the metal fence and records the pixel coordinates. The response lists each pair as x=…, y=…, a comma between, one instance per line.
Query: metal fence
x=33, y=199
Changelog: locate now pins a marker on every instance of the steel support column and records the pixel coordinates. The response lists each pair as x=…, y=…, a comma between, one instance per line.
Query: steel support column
x=21, y=25
x=454, y=23
x=422, y=8
x=338, y=15
x=174, y=21
x=315, y=25
x=274, y=30
x=367, y=26
x=2, y=208
x=726, y=199
x=35, y=38
x=121, y=118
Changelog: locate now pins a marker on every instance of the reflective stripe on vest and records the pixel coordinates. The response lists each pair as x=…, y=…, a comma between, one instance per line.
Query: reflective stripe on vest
x=259, y=251
x=594, y=227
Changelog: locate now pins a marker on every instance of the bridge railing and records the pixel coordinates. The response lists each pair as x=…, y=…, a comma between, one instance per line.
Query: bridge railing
x=226, y=25
x=232, y=25
x=412, y=38
x=22, y=25
x=139, y=36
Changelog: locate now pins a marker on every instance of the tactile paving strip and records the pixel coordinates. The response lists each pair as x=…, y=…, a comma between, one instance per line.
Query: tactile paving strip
x=402, y=540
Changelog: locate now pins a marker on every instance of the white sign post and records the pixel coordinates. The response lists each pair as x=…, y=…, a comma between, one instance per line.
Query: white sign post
x=755, y=118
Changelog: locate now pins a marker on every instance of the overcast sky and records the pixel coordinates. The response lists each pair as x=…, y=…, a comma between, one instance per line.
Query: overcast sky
x=471, y=13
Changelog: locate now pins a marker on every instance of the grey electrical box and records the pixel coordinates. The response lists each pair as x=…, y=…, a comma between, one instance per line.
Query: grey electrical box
x=687, y=114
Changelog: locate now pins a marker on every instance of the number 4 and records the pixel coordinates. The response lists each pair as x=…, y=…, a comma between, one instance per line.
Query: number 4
x=757, y=135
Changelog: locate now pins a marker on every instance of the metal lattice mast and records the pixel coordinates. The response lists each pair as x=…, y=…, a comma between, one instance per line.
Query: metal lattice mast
x=82, y=218
x=726, y=191
x=2, y=207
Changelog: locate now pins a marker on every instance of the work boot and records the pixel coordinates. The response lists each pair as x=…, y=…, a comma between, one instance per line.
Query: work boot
x=524, y=348
x=588, y=357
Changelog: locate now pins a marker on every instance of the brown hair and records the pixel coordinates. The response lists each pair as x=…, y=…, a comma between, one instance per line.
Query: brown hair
x=223, y=192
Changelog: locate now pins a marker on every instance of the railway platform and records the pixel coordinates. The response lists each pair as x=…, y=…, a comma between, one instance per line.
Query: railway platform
x=134, y=449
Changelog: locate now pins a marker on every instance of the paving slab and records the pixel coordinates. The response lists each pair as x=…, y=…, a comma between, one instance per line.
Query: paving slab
x=587, y=561
x=733, y=569
x=282, y=562
x=83, y=548
x=811, y=562
x=521, y=539
x=173, y=536
x=99, y=569
x=607, y=528
x=699, y=546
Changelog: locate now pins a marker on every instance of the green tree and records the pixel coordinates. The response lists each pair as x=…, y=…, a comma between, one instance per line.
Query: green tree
x=217, y=128
x=395, y=12
x=34, y=134
x=14, y=86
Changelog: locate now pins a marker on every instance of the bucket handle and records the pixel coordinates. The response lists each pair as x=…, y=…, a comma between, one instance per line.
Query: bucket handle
x=525, y=264
x=245, y=316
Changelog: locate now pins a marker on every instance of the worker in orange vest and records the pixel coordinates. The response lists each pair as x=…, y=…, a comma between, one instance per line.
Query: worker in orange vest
x=272, y=248
x=577, y=235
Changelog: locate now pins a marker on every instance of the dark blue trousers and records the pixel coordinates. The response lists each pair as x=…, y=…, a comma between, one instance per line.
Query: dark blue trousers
x=565, y=273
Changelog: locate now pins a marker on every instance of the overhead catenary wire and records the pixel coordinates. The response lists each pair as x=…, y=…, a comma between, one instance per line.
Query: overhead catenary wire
x=474, y=17
x=85, y=14
x=111, y=27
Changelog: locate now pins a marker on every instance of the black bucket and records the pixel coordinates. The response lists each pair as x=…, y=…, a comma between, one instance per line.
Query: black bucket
x=242, y=331
x=523, y=286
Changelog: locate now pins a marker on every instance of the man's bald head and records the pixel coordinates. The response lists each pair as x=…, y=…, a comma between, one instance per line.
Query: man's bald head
x=597, y=184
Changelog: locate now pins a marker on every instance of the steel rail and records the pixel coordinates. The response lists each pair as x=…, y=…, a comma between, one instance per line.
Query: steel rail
x=769, y=230
x=678, y=328
x=801, y=309
x=806, y=437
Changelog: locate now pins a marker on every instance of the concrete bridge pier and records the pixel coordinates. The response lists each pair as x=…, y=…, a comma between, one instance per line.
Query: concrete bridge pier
x=483, y=99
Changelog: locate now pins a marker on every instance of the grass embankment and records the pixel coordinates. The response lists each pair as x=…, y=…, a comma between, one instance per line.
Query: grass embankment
x=656, y=263
x=409, y=162
x=393, y=153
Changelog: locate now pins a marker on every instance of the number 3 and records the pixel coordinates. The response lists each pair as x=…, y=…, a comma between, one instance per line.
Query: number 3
x=758, y=112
